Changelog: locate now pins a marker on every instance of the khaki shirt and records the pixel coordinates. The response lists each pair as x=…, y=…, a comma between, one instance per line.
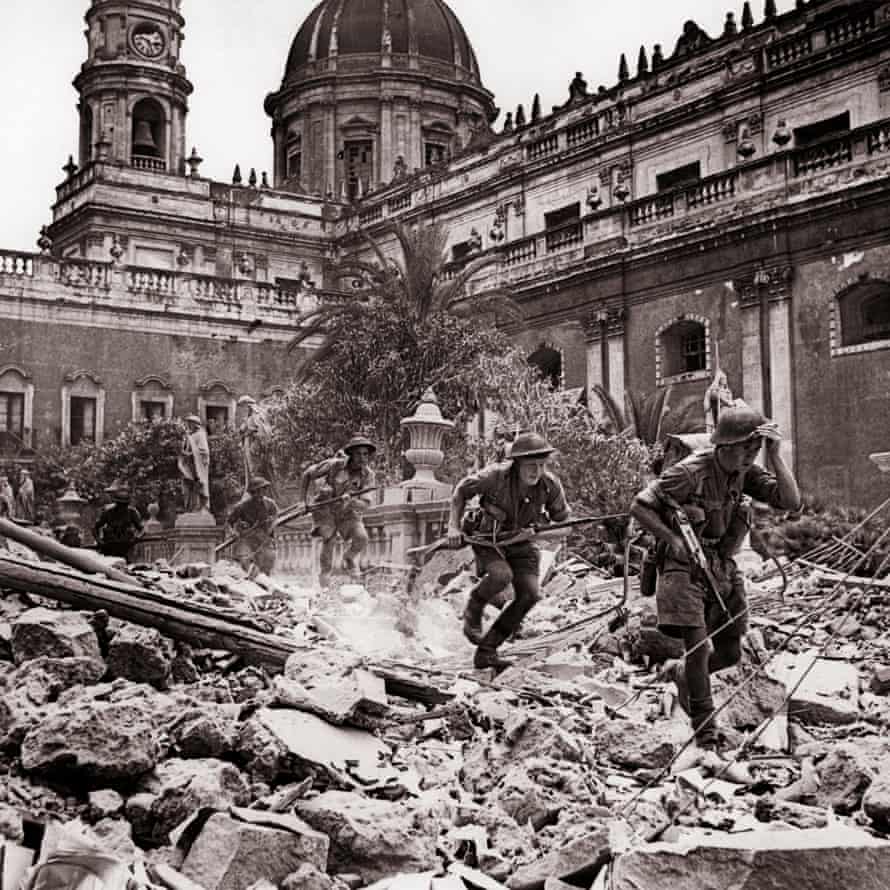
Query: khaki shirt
x=498, y=486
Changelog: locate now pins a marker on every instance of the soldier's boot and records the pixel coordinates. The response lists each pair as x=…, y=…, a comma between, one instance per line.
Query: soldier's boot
x=674, y=670
x=704, y=724
x=473, y=618
x=487, y=655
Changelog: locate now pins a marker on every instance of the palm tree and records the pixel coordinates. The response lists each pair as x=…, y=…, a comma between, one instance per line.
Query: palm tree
x=413, y=286
x=647, y=418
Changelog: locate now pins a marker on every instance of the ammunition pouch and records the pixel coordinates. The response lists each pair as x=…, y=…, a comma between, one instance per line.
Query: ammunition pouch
x=649, y=572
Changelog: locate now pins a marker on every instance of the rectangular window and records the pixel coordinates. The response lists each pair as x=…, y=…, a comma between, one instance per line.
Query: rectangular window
x=694, y=349
x=562, y=217
x=434, y=153
x=831, y=126
x=358, y=157
x=461, y=251
x=83, y=420
x=688, y=174
x=295, y=158
x=153, y=410
x=12, y=421
x=217, y=417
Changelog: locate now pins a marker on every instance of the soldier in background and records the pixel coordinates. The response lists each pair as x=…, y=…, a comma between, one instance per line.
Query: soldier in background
x=119, y=525
x=345, y=475
x=253, y=519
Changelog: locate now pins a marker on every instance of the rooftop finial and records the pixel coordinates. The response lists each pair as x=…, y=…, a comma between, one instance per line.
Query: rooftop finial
x=747, y=16
x=236, y=175
x=769, y=10
x=642, y=62
x=623, y=71
x=520, y=115
x=536, y=108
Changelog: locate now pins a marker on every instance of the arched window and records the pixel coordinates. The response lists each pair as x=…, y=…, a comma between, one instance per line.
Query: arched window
x=216, y=406
x=148, y=136
x=16, y=409
x=864, y=310
x=682, y=349
x=548, y=361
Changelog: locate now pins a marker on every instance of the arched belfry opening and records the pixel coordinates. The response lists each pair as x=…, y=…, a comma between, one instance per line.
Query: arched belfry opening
x=147, y=140
x=548, y=361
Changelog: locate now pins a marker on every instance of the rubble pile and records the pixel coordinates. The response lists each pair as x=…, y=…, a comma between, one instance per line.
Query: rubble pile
x=180, y=767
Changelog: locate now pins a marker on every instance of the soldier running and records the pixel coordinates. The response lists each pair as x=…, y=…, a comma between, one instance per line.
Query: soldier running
x=118, y=526
x=514, y=496
x=252, y=518
x=346, y=475
x=709, y=487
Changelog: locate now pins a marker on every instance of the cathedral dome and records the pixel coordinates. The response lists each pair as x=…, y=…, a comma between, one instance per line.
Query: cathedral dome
x=369, y=30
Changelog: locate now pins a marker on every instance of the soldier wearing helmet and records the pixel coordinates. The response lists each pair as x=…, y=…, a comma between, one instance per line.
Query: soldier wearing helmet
x=513, y=497
x=346, y=474
x=253, y=518
x=119, y=525
x=709, y=485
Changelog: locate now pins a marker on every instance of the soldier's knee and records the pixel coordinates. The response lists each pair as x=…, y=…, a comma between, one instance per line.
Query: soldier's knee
x=500, y=574
x=527, y=590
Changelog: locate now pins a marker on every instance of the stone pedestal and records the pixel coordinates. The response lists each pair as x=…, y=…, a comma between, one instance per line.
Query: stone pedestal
x=194, y=538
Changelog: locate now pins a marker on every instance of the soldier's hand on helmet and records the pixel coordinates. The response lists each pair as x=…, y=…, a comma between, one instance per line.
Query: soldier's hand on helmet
x=454, y=537
x=769, y=431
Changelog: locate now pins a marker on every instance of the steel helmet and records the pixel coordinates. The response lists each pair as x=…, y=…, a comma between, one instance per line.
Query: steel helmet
x=257, y=483
x=359, y=442
x=738, y=423
x=528, y=444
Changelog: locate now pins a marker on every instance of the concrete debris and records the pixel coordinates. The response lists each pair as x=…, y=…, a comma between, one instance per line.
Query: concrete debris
x=813, y=858
x=201, y=770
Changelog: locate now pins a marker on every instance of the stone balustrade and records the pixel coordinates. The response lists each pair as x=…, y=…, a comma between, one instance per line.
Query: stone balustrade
x=17, y=265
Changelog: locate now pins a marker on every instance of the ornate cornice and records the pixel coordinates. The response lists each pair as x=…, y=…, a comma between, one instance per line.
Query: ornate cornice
x=609, y=317
x=775, y=280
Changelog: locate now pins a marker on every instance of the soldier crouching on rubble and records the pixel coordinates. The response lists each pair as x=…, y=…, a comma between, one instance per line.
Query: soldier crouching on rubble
x=349, y=477
x=253, y=520
x=709, y=487
x=513, y=497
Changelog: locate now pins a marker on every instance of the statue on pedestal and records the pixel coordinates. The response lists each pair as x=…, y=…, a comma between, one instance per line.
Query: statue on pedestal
x=253, y=432
x=717, y=397
x=24, y=501
x=194, y=465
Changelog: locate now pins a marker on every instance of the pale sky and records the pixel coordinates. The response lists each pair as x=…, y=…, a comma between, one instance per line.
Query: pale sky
x=235, y=51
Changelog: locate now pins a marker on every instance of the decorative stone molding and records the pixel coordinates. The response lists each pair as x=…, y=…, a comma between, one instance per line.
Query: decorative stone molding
x=216, y=394
x=15, y=379
x=777, y=280
x=662, y=379
x=612, y=317
x=753, y=123
x=151, y=389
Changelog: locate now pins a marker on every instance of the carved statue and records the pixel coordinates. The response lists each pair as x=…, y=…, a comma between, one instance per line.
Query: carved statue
x=194, y=465
x=577, y=88
x=399, y=168
x=24, y=501
x=253, y=432
x=717, y=397
x=475, y=240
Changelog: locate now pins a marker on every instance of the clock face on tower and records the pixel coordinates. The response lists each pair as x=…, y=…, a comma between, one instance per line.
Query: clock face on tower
x=148, y=40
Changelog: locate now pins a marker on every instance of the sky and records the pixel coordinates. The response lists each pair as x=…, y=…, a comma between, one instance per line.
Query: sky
x=235, y=51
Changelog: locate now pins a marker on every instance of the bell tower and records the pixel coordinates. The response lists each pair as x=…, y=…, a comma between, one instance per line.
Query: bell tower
x=133, y=89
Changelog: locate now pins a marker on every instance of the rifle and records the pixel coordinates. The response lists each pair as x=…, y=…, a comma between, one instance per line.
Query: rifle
x=289, y=514
x=694, y=549
x=505, y=539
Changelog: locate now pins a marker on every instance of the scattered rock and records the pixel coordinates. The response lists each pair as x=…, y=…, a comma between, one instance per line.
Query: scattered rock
x=375, y=838
x=307, y=877
x=231, y=854
x=104, y=804
x=204, y=732
x=876, y=802
x=578, y=860
x=636, y=745
x=814, y=858
x=53, y=633
x=829, y=692
x=845, y=776
x=140, y=654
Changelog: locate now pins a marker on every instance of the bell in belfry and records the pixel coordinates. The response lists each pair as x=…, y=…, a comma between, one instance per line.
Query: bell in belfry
x=143, y=140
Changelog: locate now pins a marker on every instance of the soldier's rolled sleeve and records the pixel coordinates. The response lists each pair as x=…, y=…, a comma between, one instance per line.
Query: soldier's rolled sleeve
x=763, y=486
x=557, y=508
x=675, y=483
x=476, y=484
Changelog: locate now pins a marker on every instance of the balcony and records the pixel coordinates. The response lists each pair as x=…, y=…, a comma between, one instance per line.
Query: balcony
x=850, y=28
x=564, y=236
x=543, y=147
x=788, y=51
x=823, y=155
x=143, y=162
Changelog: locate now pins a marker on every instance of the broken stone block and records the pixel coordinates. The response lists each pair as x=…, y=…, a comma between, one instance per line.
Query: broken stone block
x=772, y=809
x=53, y=633
x=375, y=838
x=140, y=654
x=204, y=732
x=845, y=775
x=579, y=860
x=231, y=854
x=522, y=799
x=307, y=877
x=12, y=827
x=876, y=802
x=93, y=740
x=828, y=694
x=182, y=787
x=337, y=701
x=634, y=745
x=320, y=665
x=753, y=695
x=815, y=859
x=880, y=681
x=104, y=804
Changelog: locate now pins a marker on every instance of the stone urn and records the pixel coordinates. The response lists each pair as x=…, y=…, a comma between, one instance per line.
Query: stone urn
x=71, y=506
x=426, y=427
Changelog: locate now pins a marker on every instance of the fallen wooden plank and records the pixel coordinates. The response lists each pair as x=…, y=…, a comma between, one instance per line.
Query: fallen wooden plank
x=191, y=623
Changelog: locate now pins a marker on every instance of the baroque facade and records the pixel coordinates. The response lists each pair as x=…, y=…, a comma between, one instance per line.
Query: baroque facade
x=725, y=206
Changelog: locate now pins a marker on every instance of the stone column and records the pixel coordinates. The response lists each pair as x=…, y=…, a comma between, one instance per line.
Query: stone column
x=386, y=155
x=330, y=149
x=604, y=332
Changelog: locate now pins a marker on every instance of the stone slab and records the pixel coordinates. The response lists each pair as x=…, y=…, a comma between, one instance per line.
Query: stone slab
x=829, y=693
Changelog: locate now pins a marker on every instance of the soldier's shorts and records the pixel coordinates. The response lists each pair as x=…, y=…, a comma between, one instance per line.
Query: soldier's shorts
x=685, y=600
